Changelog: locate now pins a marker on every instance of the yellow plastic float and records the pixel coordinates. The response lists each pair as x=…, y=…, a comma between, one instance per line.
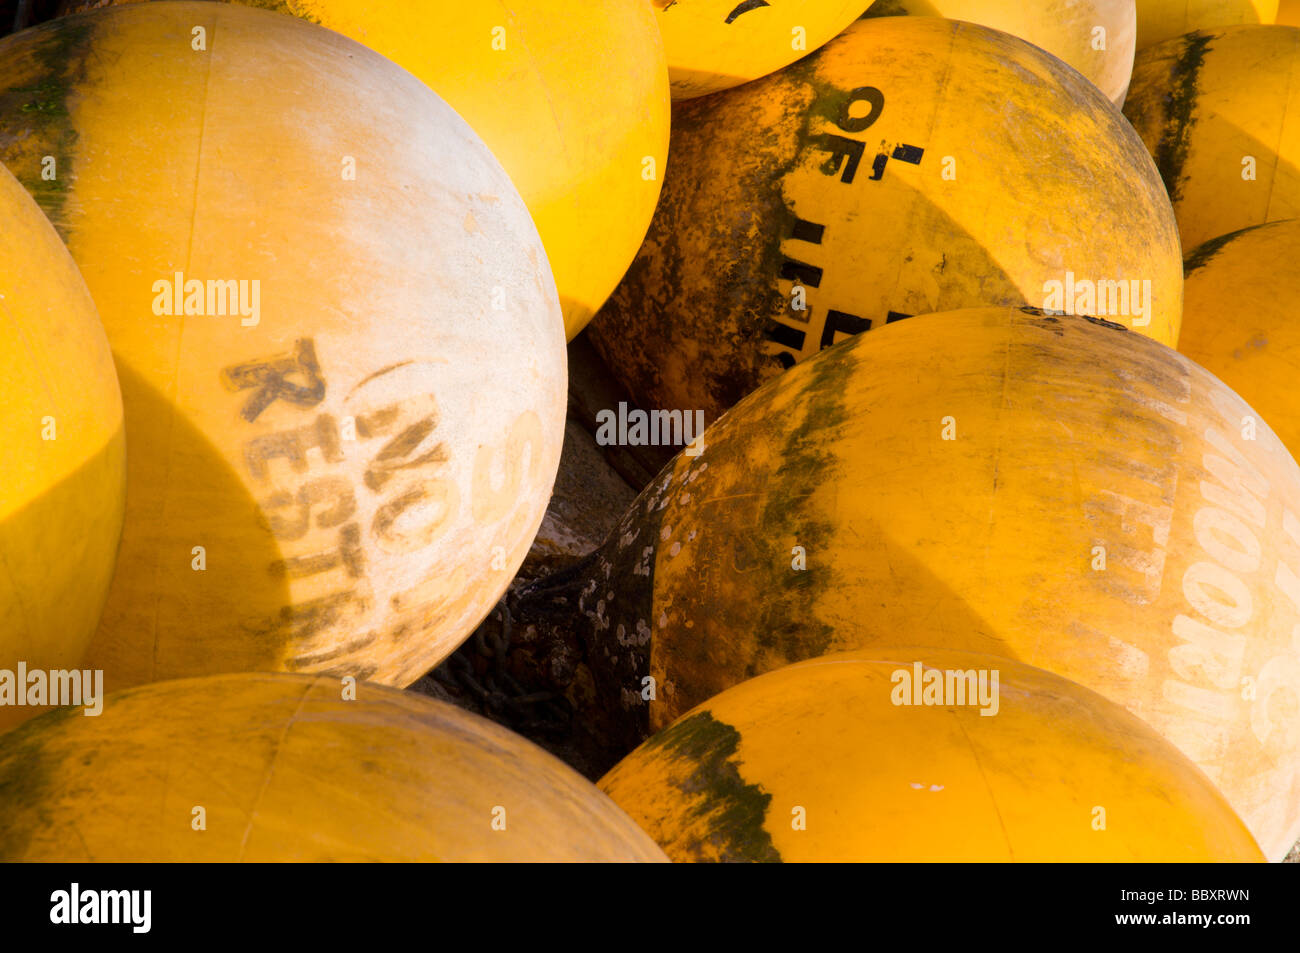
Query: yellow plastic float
x=912, y=165
x=340, y=347
x=1160, y=20
x=888, y=756
x=277, y=768
x=63, y=479
x=576, y=111
x=1216, y=109
x=1096, y=37
x=717, y=44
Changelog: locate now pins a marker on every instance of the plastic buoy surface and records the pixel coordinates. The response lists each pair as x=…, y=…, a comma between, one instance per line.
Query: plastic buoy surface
x=62, y=483
x=912, y=165
x=1240, y=319
x=1096, y=37
x=1045, y=488
x=876, y=757
x=277, y=768
x=586, y=153
x=717, y=44
x=1160, y=20
x=341, y=351
x=1216, y=109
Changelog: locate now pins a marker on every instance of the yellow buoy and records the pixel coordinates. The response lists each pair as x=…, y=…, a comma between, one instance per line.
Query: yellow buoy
x=1215, y=110
x=341, y=352
x=62, y=483
x=888, y=756
x=717, y=44
x=1096, y=37
x=1045, y=488
x=1160, y=20
x=1239, y=319
x=912, y=165
x=585, y=152
x=272, y=768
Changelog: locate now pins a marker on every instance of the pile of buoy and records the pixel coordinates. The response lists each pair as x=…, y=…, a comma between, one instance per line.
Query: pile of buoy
x=335, y=338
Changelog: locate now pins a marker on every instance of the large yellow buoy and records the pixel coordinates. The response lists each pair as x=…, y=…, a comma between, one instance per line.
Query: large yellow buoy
x=576, y=111
x=912, y=165
x=1215, y=108
x=1096, y=37
x=341, y=351
x=62, y=482
x=1240, y=319
x=1160, y=20
x=274, y=767
x=1039, y=487
x=717, y=44
x=889, y=756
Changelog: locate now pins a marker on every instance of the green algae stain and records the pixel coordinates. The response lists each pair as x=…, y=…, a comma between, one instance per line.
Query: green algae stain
x=42, y=68
x=1204, y=253
x=808, y=460
x=27, y=778
x=702, y=750
x=1180, y=108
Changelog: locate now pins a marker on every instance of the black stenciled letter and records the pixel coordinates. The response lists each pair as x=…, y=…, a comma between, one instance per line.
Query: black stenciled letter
x=270, y=382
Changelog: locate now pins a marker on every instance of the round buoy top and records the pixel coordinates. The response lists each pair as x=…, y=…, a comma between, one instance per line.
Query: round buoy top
x=274, y=768
x=1214, y=108
x=1160, y=20
x=62, y=483
x=912, y=165
x=586, y=154
x=717, y=44
x=1096, y=37
x=340, y=345
x=905, y=755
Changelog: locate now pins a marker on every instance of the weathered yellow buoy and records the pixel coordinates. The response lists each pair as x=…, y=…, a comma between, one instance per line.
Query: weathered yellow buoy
x=1044, y=488
x=341, y=351
x=717, y=44
x=1240, y=319
x=586, y=152
x=62, y=483
x=912, y=165
x=888, y=756
x=1160, y=20
x=1096, y=37
x=1214, y=108
x=274, y=767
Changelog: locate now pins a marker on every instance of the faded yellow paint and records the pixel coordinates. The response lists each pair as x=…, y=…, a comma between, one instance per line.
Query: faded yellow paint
x=1025, y=174
x=1240, y=319
x=880, y=781
x=61, y=498
x=1220, y=112
x=1160, y=20
x=1067, y=436
x=286, y=768
x=377, y=323
x=571, y=108
x=1068, y=29
x=717, y=44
